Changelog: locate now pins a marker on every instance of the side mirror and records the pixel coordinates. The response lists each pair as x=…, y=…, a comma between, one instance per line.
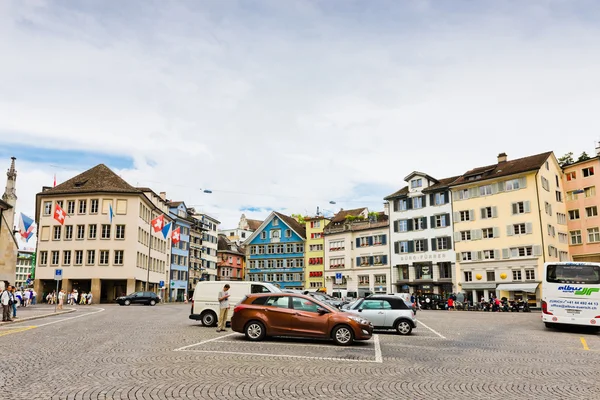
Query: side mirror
x=322, y=311
x=360, y=310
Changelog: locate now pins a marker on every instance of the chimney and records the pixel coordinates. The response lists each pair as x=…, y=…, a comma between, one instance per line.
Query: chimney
x=502, y=158
x=163, y=195
x=386, y=208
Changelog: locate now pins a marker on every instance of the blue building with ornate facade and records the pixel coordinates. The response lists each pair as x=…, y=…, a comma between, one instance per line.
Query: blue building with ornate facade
x=276, y=252
x=180, y=252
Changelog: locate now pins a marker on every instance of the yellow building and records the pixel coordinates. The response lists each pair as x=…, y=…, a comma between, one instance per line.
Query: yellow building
x=509, y=218
x=315, y=252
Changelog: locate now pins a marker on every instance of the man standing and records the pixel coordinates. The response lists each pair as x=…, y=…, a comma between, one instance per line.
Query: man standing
x=223, y=308
x=6, y=300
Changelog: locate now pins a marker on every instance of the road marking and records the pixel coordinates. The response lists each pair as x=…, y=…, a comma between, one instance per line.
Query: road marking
x=205, y=341
x=298, y=344
x=17, y=330
x=282, y=355
x=77, y=316
x=437, y=333
x=378, y=357
x=584, y=343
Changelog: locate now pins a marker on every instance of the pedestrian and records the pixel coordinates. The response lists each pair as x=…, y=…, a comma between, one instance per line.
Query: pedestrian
x=223, y=308
x=33, y=297
x=61, y=299
x=26, y=295
x=14, y=304
x=83, y=298
x=450, y=303
x=75, y=296
x=6, y=301
x=89, y=298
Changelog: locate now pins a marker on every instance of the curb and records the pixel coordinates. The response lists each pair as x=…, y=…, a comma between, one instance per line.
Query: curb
x=19, y=320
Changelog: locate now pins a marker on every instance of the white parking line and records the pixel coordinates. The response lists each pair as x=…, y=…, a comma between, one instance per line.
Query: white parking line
x=205, y=341
x=378, y=358
x=284, y=355
x=66, y=319
x=437, y=333
x=300, y=345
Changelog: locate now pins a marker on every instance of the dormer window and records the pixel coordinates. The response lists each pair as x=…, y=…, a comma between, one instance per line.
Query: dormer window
x=416, y=183
x=275, y=222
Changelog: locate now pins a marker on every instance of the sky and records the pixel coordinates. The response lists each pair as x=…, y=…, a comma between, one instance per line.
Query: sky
x=290, y=105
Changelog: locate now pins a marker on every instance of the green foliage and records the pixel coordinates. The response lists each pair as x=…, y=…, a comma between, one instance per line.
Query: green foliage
x=299, y=218
x=583, y=157
x=566, y=159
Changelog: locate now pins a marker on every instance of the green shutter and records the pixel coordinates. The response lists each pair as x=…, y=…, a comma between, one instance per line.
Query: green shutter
x=433, y=244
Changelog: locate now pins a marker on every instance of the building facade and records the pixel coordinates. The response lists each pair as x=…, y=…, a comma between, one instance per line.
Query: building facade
x=422, y=251
x=210, y=244
x=357, y=253
x=8, y=243
x=509, y=218
x=196, y=267
x=580, y=181
x=180, y=251
x=315, y=252
x=97, y=253
x=275, y=252
x=243, y=231
x=232, y=257
x=23, y=272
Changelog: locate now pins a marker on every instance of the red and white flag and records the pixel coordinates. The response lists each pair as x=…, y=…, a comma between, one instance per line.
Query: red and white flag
x=158, y=223
x=176, y=236
x=59, y=214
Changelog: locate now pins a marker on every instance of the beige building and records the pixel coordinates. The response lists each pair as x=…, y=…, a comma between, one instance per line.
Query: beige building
x=509, y=218
x=8, y=243
x=107, y=257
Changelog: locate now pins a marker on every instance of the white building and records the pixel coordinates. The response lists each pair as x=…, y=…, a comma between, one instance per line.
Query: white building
x=422, y=255
x=243, y=231
x=357, y=247
x=210, y=245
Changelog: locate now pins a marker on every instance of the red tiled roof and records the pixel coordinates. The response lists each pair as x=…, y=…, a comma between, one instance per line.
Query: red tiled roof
x=341, y=216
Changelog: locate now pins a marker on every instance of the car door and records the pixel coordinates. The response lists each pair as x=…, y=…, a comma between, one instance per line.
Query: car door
x=372, y=310
x=306, y=320
x=278, y=315
x=135, y=297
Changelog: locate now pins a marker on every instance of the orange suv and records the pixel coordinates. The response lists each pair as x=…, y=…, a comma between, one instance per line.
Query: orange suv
x=297, y=315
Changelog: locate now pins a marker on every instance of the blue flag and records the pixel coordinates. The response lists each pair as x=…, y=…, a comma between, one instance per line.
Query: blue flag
x=110, y=213
x=165, y=230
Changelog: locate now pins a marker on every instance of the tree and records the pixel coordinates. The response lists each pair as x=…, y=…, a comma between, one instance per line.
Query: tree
x=583, y=157
x=566, y=159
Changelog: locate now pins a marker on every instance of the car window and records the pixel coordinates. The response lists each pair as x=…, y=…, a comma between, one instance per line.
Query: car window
x=260, y=301
x=386, y=305
x=259, y=289
x=372, y=305
x=304, y=305
x=278, y=301
x=136, y=294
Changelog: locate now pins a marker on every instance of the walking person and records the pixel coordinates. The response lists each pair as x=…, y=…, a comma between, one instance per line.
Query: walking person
x=450, y=303
x=14, y=303
x=6, y=301
x=83, y=299
x=61, y=299
x=223, y=308
x=89, y=298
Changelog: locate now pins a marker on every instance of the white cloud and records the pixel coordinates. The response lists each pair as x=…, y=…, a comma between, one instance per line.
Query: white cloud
x=295, y=103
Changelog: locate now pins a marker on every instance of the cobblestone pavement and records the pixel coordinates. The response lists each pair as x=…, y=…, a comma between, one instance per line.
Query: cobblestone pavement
x=35, y=312
x=140, y=352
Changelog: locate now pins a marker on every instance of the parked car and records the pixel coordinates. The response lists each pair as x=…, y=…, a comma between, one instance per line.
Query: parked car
x=432, y=301
x=324, y=297
x=295, y=315
x=148, y=298
x=386, y=312
x=205, y=304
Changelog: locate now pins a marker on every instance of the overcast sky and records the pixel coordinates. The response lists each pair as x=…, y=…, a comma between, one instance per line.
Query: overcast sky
x=289, y=105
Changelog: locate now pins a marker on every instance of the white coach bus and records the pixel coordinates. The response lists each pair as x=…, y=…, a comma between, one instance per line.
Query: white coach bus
x=571, y=294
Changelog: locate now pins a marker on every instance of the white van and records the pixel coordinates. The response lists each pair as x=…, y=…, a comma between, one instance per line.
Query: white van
x=205, y=304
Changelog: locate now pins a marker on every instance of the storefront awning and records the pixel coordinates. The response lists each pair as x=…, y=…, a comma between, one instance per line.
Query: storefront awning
x=518, y=287
x=478, y=285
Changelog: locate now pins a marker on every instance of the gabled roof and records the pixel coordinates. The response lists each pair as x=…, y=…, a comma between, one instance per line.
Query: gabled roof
x=506, y=168
x=174, y=204
x=341, y=216
x=253, y=224
x=400, y=193
x=224, y=245
x=294, y=225
x=414, y=173
x=442, y=184
x=97, y=179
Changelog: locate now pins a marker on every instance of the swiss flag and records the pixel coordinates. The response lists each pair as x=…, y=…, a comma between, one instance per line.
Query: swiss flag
x=59, y=214
x=158, y=223
x=175, y=236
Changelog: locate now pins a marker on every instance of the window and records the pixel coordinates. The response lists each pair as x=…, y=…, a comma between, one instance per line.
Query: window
x=587, y=172
x=557, y=180
x=68, y=232
x=445, y=270
x=71, y=207
x=519, y=207
x=420, y=245
x=573, y=214
x=571, y=176
x=571, y=195
x=564, y=256
x=57, y=232
x=530, y=274
x=82, y=206
x=590, y=191
x=275, y=222
x=418, y=202
x=416, y=183
x=337, y=245
x=488, y=233
x=263, y=235
x=67, y=257
x=47, y=208
x=94, y=206
x=551, y=231
x=513, y=184
x=547, y=166
x=488, y=255
x=120, y=232
x=526, y=251
x=561, y=218
x=465, y=216
x=490, y=276
x=288, y=233
x=78, y=257
x=548, y=207
x=562, y=238
x=105, y=231
x=403, y=205
x=485, y=190
x=443, y=243
x=121, y=207
x=519, y=229
x=92, y=231
x=118, y=257
x=402, y=247
x=591, y=211
x=466, y=256
x=559, y=196
x=275, y=234
x=418, y=224
x=576, y=237
x=103, y=257
x=379, y=240
x=465, y=235
x=80, y=232
x=545, y=184
x=55, y=258
x=91, y=257
x=516, y=275
x=488, y=212
x=593, y=235
x=363, y=280
x=462, y=194
x=439, y=199
x=440, y=221
x=43, y=257
x=468, y=276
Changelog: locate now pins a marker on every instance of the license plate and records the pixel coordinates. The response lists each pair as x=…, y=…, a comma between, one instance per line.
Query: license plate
x=573, y=311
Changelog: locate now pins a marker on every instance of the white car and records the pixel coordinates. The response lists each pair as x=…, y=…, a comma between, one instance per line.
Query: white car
x=386, y=312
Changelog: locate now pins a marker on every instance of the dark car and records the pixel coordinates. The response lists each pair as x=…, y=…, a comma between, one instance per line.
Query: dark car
x=296, y=315
x=148, y=298
x=325, y=298
x=432, y=301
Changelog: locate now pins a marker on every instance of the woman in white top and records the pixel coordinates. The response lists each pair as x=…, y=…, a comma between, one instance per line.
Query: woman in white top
x=61, y=299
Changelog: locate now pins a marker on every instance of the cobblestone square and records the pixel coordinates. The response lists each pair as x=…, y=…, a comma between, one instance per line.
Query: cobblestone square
x=137, y=352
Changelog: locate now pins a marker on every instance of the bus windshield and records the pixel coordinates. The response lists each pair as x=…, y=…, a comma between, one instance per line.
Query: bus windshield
x=573, y=273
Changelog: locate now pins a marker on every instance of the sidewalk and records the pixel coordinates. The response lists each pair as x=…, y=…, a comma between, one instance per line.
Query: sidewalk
x=37, y=311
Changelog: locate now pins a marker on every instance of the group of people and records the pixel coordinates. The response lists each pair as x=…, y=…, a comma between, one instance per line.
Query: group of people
x=9, y=301
x=73, y=298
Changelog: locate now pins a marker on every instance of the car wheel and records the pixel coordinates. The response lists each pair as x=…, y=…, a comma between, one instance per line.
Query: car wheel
x=127, y=302
x=549, y=325
x=152, y=302
x=255, y=331
x=343, y=335
x=403, y=328
x=209, y=318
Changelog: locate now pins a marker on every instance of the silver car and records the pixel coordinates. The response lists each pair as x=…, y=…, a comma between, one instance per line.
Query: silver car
x=386, y=312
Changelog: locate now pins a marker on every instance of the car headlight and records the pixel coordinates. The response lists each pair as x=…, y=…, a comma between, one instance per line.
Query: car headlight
x=359, y=320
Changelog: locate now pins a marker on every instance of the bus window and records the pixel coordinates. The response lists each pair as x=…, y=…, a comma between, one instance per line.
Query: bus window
x=565, y=273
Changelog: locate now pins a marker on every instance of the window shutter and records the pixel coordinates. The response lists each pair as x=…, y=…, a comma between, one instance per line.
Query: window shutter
x=384, y=260
x=432, y=221
x=494, y=212
x=371, y=260
x=456, y=216
x=477, y=234
x=449, y=242
x=473, y=192
x=370, y=240
x=357, y=242
x=424, y=219
x=397, y=247
x=409, y=224
x=471, y=215
x=411, y=246
x=475, y=255
x=522, y=183
x=425, y=245
x=357, y=261
x=505, y=253
x=455, y=196
x=537, y=250
x=396, y=223
x=384, y=239
x=457, y=236
x=409, y=204
x=433, y=244
x=458, y=259
x=424, y=201
x=396, y=205
x=432, y=199
x=527, y=206
x=500, y=187
x=447, y=218
x=515, y=208
x=446, y=197
x=510, y=230
x=494, y=189
x=483, y=213
x=496, y=232
x=528, y=228
x=473, y=234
